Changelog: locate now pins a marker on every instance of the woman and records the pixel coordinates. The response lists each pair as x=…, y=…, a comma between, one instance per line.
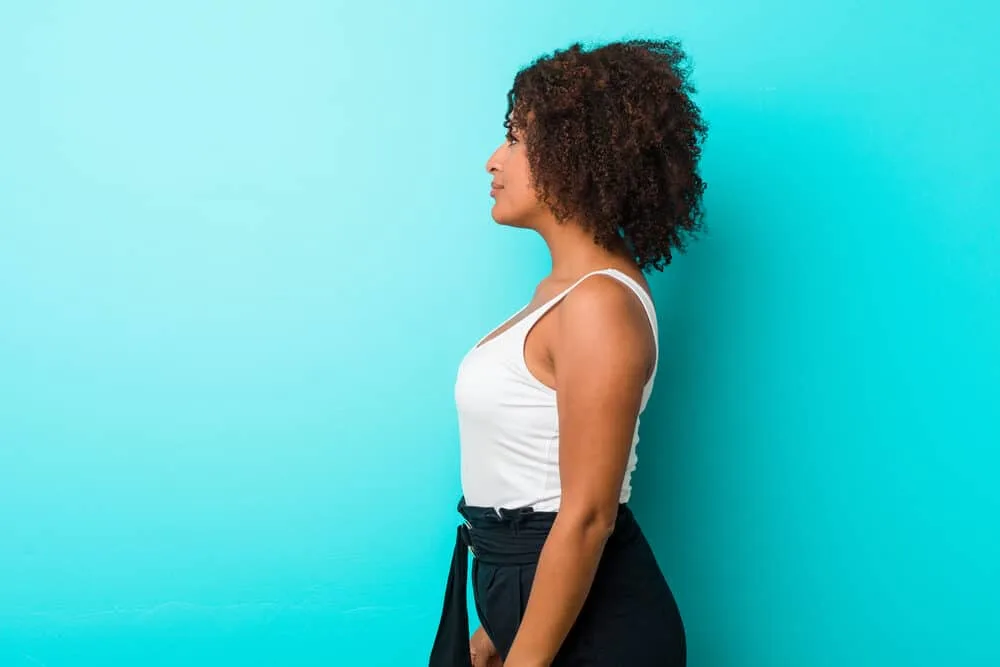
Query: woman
x=601, y=159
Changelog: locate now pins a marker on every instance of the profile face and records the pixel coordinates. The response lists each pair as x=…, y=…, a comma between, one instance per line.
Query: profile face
x=515, y=200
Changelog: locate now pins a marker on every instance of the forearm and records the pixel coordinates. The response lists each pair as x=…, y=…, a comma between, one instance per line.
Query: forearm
x=565, y=573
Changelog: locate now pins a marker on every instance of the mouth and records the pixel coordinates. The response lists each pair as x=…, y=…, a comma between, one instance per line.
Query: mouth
x=494, y=188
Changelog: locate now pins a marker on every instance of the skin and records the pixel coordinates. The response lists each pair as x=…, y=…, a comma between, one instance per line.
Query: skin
x=596, y=349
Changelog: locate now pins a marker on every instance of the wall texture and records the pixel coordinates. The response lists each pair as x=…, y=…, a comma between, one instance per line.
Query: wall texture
x=243, y=247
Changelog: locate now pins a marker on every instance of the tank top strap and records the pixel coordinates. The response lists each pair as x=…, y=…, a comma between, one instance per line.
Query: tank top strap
x=642, y=295
x=537, y=313
x=624, y=278
x=528, y=323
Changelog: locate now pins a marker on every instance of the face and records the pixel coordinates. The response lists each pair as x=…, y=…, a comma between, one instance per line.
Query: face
x=516, y=203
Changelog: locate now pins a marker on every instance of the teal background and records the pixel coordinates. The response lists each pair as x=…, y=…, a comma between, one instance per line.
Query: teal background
x=243, y=247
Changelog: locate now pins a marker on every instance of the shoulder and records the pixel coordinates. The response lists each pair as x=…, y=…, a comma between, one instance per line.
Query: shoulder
x=604, y=300
x=604, y=316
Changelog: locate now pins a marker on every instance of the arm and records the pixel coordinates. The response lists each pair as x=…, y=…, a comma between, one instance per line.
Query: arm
x=603, y=352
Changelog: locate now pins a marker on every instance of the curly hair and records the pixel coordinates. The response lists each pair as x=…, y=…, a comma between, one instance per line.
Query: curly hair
x=613, y=141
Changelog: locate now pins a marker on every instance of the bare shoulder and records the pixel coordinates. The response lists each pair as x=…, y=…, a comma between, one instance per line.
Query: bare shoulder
x=604, y=317
x=607, y=302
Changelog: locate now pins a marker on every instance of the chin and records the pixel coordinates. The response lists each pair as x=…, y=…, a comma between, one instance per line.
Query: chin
x=508, y=220
x=499, y=217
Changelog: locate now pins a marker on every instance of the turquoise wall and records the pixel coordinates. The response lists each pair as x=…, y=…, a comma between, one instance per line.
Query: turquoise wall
x=243, y=247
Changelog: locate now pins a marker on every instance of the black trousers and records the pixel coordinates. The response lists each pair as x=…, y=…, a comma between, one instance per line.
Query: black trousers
x=629, y=619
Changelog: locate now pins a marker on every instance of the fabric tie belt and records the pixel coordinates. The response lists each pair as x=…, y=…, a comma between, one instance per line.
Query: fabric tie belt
x=495, y=537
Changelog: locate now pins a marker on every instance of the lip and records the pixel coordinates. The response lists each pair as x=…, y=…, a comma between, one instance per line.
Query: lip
x=494, y=188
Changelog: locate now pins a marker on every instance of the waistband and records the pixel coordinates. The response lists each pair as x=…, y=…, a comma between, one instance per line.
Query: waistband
x=497, y=537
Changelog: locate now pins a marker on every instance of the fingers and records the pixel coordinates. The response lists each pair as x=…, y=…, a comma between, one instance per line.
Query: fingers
x=481, y=658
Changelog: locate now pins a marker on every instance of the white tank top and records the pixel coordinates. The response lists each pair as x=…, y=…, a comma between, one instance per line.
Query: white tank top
x=508, y=420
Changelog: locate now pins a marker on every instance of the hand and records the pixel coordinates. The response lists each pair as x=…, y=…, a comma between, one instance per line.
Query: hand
x=484, y=654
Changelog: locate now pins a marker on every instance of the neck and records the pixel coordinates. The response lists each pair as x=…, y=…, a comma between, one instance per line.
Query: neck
x=574, y=251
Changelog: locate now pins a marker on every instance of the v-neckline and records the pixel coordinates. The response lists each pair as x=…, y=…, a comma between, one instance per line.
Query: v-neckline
x=509, y=323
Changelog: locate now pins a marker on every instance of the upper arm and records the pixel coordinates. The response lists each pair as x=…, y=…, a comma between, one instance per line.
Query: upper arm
x=603, y=352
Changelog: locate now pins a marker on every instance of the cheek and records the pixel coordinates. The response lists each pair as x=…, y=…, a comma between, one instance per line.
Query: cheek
x=520, y=183
x=517, y=197
x=525, y=193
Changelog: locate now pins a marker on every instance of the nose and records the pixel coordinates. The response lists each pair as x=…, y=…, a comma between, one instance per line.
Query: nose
x=493, y=163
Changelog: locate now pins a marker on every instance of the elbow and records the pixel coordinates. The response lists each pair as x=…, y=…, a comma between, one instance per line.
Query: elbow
x=593, y=524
